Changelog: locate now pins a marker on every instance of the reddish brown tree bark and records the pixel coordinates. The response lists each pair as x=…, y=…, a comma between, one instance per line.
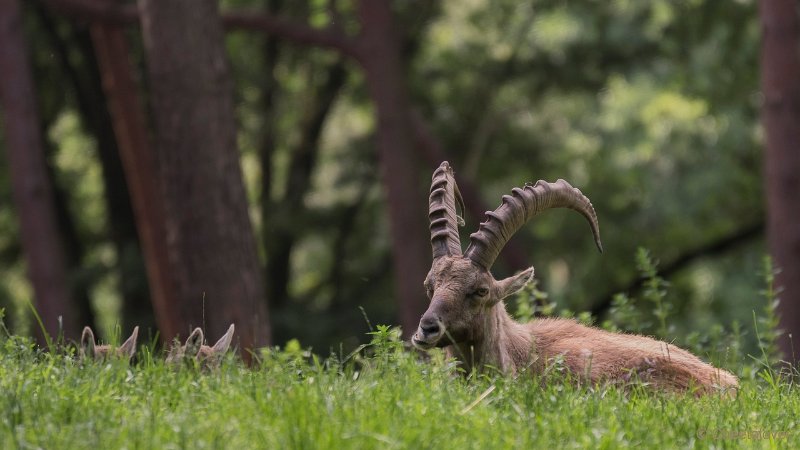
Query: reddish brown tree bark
x=385, y=77
x=296, y=32
x=377, y=48
x=32, y=188
x=780, y=85
x=77, y=57
x=138, y=160
x=212, y=249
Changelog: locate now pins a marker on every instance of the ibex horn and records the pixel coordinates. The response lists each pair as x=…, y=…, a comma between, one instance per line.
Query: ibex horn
x=442, y=212
x=517, y=209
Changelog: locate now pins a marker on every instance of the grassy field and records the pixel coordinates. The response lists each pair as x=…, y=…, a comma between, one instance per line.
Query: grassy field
x=379, y=397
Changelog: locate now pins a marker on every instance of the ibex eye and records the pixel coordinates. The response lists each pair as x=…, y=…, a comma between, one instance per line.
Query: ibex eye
x=481, y=292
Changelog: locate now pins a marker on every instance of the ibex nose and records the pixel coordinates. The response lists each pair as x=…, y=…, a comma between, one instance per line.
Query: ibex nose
x=429, y=326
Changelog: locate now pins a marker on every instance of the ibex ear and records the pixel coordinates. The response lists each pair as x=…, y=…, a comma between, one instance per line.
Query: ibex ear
x=224, y=342
x=193, y=343
x=128, y=348
x=514, y=283
x=87, y=343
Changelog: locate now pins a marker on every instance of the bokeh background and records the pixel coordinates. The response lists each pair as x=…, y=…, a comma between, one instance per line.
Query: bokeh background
x=337, y=112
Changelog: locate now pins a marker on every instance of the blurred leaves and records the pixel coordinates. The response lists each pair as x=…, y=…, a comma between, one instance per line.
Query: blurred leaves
x=650, y=108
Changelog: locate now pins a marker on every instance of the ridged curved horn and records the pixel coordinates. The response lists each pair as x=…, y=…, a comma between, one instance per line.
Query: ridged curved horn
x=518, y=208
x=442, y=212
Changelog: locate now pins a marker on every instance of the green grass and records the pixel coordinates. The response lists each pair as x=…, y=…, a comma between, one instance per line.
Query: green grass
x=380, y=397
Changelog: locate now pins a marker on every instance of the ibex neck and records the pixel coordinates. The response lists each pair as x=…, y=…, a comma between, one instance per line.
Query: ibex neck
x=501, y=343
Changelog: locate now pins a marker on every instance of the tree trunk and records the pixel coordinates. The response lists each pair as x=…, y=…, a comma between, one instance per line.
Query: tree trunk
x=269, y=89
x=95, y=114
x=780, y=85
x=286, y=230
x=407, y=202
x=138, y=161
x=210, y=239
x=32, y=189
x=74, y=248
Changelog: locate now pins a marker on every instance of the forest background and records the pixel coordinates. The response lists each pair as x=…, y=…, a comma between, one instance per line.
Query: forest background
x=266, y=162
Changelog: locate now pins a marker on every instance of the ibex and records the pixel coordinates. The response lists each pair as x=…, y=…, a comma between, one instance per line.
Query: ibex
x=195, y=350
x=467, y=317
x=90, y=350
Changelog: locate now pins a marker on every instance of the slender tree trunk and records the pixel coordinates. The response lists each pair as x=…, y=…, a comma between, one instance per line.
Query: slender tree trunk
x=32, y=189
x=385, y=77
x=137, y=309
x=284, y=231
x=269, y=90
x=212, y=248
x=780, y=84
x=138, y=161
x=94, y=109
x=74, y=247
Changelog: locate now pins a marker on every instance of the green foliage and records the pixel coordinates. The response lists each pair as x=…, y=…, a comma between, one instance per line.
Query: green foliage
x=630, y=109
x=385, y=397
x=624, y=315
x=3, y=329
x=386, y=344
x=723, y=346
x=768, y=323
x=532, y=302
x=650, y=108
x=655, y=289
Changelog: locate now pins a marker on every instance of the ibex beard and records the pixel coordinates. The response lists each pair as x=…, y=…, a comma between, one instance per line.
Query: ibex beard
x=467, y=316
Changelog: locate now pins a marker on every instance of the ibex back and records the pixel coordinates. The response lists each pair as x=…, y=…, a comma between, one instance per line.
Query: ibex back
x=467, y=316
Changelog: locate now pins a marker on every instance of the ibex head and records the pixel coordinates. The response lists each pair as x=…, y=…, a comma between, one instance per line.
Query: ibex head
x=90, y=350
x=460, y=287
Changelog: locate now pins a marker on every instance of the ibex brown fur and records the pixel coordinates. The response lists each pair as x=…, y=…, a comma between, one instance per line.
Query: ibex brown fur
x=467, y=317
x=195, y=350
x=90, y=350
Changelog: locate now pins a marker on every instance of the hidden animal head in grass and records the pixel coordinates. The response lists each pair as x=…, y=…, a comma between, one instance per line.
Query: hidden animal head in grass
x=467, y=317
x=90, y=350
x=195, y=351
